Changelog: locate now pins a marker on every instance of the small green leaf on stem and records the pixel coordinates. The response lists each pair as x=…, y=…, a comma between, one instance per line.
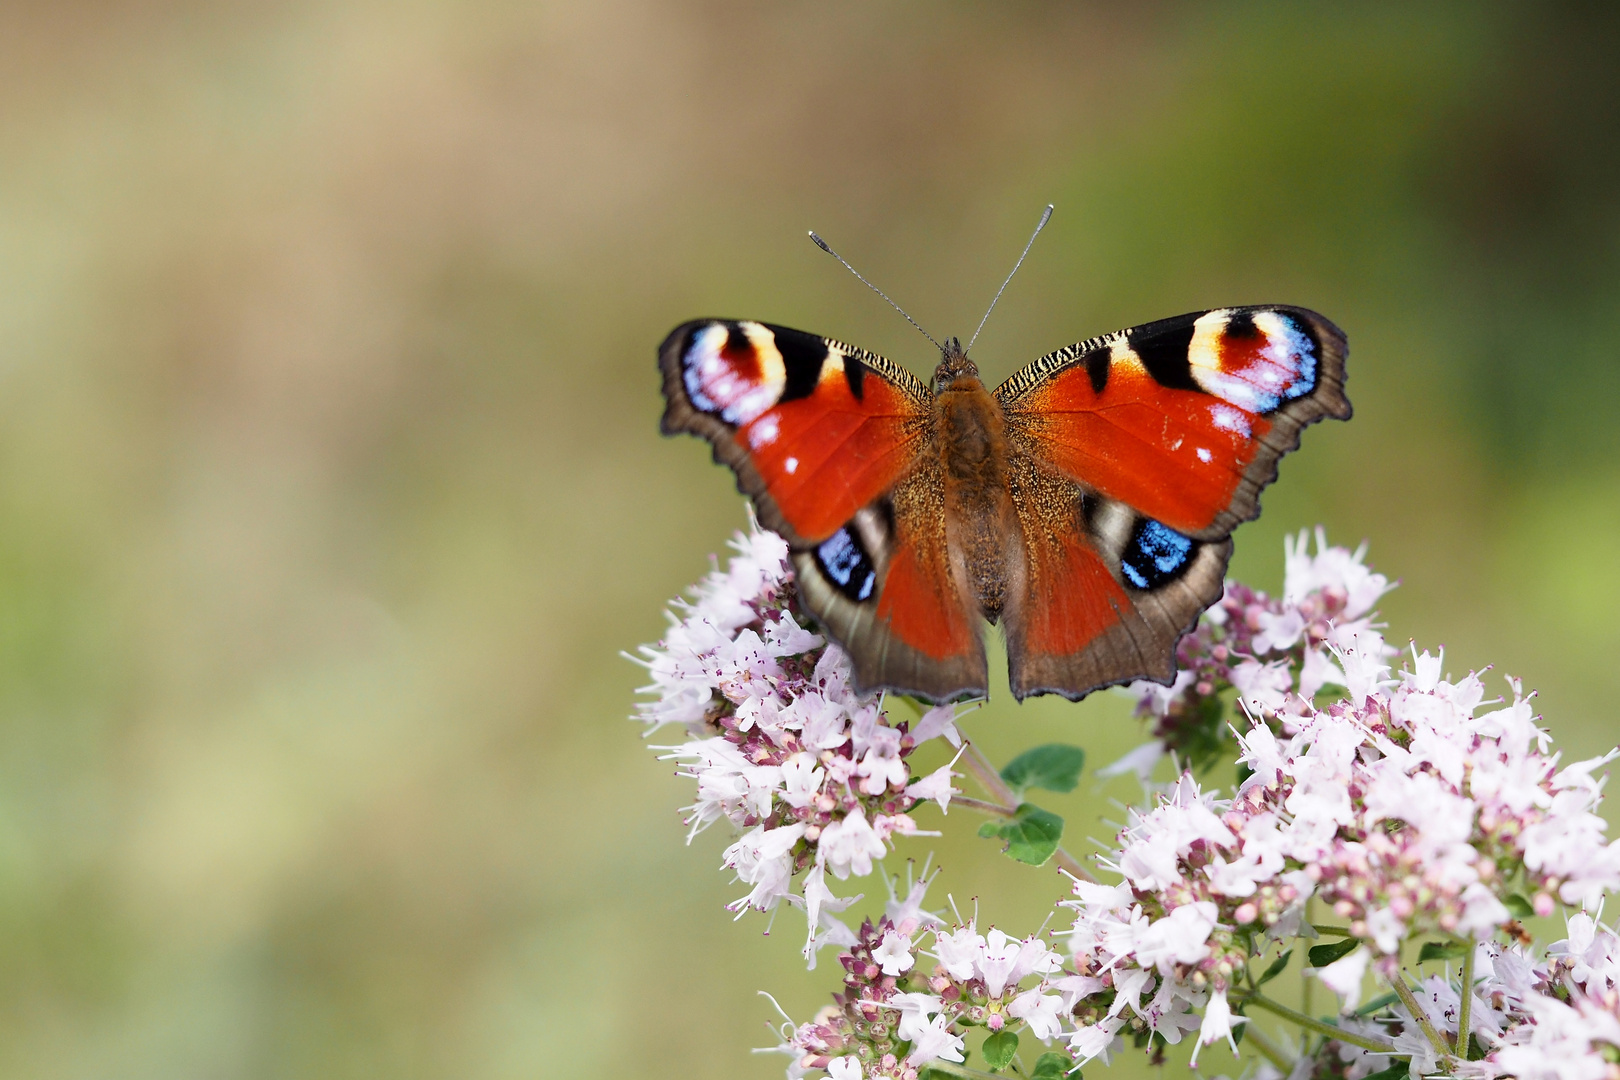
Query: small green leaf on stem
x=1323, y=955
x=1030, y=836
x=1276, y=968
x=999, y=1048
x=1442, y=950
x=1397, y=1071
x=1379, y=1002
x=1055, y=767
x=1053, y=1066
x=1519, y=907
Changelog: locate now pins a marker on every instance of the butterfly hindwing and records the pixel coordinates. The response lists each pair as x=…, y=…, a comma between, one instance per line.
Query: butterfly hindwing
x=1107, y=592
x=882, y=587
x=815, y=429
x=830, y=442
x=1183, y=419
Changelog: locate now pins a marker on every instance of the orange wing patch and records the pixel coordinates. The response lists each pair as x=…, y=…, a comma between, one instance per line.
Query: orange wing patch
x=814, y=429
x=1182, y=419
x=921, y=606
x=1072, y=599
x=824, y=456
x=1175, y=455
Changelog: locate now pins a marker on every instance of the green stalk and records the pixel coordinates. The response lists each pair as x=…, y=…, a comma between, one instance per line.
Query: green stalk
x=983, y=806
x=1467, y=1002
x=1307, y=984
x=1336, y=931
x=1321, y=1027
x=960, y=1070
x=1436, y=1040
x=1268, y=1049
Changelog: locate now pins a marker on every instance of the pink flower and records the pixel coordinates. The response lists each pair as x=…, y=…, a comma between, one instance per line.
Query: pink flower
x=893, y=954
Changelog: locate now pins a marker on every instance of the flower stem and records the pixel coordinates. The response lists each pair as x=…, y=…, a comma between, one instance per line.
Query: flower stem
x=960, y=1070
x=1308, y=985
x=988, y=776
x=1467, y=1001
x=1436, y=1040
x=983, y=806
x=1336, y=931
x=1268, y=1049
x=1004, y=802
x=1321, y=1027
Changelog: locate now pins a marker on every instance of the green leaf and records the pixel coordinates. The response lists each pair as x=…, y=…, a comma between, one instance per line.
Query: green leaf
x=1323, y=955
x=1053, y=1066
x=1519, y=906
x=1030, y=835
x=1442, y=950
x=1377, y=1003
x=1398, y=1071
x=999, y=1048
x=1055, y=767
x=1276, y=968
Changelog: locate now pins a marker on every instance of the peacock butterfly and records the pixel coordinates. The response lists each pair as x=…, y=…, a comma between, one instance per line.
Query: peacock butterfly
x=1085, y=504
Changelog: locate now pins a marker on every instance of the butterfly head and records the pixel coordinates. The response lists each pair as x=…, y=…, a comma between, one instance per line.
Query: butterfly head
x=953, y=364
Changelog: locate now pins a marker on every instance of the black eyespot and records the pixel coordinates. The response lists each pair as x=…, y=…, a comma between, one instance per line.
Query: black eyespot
x=1156, y=555
x=1097, y=364
x=854, y=374
x=802, y=357
x=1240, y=325
x=1164, y=351
x=843, y=558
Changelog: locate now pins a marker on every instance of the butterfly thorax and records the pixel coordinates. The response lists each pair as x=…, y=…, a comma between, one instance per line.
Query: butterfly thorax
x=970, y=438
x=953, y=364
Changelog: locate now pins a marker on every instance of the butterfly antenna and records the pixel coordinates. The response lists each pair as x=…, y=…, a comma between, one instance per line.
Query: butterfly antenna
x=1045, y=217
x=822, y=244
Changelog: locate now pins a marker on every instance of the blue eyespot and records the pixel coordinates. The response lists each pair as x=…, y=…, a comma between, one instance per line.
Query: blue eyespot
x=1155, y=555
x=1304, y=351
x=845, y=562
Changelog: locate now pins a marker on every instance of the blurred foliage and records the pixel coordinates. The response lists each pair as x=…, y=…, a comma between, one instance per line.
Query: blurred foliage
x=330, y=484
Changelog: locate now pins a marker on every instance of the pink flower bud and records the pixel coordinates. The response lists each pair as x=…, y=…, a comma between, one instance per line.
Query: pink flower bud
x=1543, y=903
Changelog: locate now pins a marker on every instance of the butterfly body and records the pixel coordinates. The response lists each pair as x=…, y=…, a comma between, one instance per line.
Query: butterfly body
x=970, y=440
x=1084, y=504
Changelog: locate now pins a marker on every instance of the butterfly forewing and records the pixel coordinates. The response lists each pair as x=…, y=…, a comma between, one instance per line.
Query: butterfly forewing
x=815, y=429
x=833, y=444
x=1183, y=419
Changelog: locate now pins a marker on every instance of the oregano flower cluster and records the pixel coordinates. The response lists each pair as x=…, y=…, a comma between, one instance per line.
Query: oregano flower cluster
x=1386, y=815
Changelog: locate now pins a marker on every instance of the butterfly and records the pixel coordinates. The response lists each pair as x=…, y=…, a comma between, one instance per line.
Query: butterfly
x=1086, y=504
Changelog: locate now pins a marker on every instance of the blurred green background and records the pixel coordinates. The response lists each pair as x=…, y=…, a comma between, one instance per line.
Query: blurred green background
x=330, y=481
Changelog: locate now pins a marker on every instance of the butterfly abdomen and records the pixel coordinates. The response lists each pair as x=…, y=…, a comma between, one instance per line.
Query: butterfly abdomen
x=979, y=516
